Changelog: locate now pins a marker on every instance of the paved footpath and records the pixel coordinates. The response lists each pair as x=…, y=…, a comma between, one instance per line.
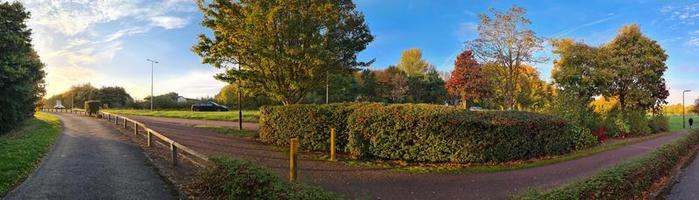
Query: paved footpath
x=688, y=186
x=353, y=181
x=92, y=160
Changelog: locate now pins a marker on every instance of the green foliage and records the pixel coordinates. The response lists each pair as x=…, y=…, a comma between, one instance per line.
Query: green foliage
x=286, y=48
x=628, y=180
x=583, y=138
x=308, y=122
x=21, y=70
x=236, y=179
x=531, y=93
x=111, y=97
x=22, y=148
x=659, y=123
x=430, y=133
x=92, y=107
x=252, y=99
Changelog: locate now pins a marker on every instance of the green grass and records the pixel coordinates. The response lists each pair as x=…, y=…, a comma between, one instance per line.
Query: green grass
x=676, y=121
x=248, y=115
x=453, y=168
x=230, y=131
x=21, y=150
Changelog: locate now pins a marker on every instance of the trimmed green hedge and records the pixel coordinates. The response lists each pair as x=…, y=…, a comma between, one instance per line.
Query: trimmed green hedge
x=236, y=179
x=433, y=133
x=309, y=122
x=628, y=180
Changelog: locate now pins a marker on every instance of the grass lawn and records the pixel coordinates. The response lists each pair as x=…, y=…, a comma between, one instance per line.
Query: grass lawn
x=248, y=115
x=230, y=131
x=21, y=150
x=676, y=121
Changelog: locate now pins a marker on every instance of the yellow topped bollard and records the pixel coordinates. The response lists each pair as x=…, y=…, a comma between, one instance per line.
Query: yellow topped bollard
x=332, y=144
x=293, y=156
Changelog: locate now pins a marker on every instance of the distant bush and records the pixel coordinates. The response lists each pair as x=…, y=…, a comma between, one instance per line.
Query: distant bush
x=311, y=123
x=92, y=107
x=659, y=123
x=236, y=179
x=628, y=180
x=432, y=133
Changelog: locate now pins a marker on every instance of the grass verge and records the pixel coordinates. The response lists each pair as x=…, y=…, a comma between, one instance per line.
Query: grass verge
x=230, y=131
x=676, y=121
x=236, y=179
x=632, y=179
x=489, y=168
x=248, y=115
x=21, y=150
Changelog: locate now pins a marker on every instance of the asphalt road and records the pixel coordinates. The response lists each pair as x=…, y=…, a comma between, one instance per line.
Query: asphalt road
x=92, y=160
x=354, y=181
x=688, y=185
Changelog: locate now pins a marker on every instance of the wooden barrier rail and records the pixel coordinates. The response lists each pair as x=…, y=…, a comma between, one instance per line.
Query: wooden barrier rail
x=176, y=149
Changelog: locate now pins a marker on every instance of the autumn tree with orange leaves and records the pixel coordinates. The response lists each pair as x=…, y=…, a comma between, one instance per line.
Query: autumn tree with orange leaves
x=467, y=81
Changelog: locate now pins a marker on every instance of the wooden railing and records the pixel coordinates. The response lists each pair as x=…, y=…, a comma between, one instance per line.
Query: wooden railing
x=153, y=138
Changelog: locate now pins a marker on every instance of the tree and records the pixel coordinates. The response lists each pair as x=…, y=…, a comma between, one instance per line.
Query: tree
x=284, y=47
x=411, y=62
x=467, y=80
x=532, y=92
x=504, y=38
x=634, y=70
x=393, y=84
x=21, y=70
x=114, y=97
x=79, y=94
x=426, y=88
x=252, y=99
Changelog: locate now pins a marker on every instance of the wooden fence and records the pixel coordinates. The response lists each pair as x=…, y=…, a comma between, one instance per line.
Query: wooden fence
x=152, y=137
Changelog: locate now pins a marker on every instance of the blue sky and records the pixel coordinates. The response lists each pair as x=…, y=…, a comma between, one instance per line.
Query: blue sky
x=106, y=42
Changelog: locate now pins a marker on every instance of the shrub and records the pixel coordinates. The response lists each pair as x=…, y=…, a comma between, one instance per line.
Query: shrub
x=311, y=123
x=583, y=138
x=432, y=133
x=659, y=123
x=92, y=107
x=236, y=179
x=600, y=133
x=628, y=180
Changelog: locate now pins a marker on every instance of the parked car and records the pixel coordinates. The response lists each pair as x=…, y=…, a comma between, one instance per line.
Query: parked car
x=59, y=107
x=208, y=106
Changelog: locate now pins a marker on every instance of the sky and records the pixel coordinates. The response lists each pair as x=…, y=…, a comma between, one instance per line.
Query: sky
x=107, y=42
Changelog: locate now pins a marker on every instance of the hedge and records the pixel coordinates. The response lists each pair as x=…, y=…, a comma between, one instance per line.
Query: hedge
x=628, y=180
x=309, y=122
x=236, y=179
x=433, y=133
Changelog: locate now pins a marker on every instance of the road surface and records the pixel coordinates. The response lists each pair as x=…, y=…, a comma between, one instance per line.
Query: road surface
x=387, y=184
x=92, y=160
x=688, y=186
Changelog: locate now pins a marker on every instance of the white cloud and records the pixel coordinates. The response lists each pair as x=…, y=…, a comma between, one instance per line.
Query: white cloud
x=169, y=22
x=76, y=37
x=610, y=16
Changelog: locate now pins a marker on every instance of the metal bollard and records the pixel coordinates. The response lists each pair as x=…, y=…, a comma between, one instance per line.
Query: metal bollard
x=293, y=157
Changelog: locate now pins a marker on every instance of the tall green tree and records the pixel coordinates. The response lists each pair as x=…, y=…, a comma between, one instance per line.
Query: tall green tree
x=285, y=47
x=412, y=64
x=634, y=70
x=21, y=70
x=505, y=39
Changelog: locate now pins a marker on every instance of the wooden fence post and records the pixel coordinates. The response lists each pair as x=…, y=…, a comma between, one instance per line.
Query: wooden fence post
x=135, y=128
x=125, y=123
x=173, y=150
x=150, y=139
x=293, y=156
x=332, y=144
x=116, y=120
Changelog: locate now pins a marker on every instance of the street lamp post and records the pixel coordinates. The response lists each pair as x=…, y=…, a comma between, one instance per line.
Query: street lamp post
x=151, y=81
x=683, y=123
x=240, y=103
